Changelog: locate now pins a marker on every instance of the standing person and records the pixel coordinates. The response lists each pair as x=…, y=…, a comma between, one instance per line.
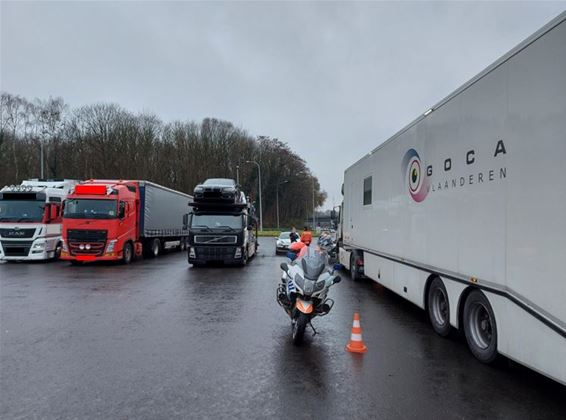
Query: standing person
x=293, y=236
x=306, y=236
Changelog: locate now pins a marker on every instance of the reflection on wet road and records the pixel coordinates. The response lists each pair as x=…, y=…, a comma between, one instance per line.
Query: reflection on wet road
x=159, y=339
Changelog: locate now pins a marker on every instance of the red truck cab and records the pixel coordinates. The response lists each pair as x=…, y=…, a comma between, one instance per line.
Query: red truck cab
x=100, y=222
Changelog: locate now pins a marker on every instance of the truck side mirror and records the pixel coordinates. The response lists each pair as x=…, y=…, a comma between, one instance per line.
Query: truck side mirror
x=47, y=212
x=122, y=210
x=185, y=221
x=53, y=212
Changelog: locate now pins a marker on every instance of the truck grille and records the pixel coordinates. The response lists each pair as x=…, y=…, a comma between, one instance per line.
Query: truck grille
x=215, y=253
x=216, y=239
x=17, y=233
x=16, y=248
x=86, y=242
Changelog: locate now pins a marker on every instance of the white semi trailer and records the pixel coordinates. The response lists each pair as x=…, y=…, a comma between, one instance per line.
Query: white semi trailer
x=463, y=211
x=31, y=219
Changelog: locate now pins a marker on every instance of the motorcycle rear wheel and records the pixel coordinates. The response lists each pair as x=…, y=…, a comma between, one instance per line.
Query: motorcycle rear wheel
x=299, y=327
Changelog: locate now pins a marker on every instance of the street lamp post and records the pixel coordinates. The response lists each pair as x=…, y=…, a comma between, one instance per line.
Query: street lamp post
x=277, y=199
x=259, y=176
x=41, y=157
x=313, y=208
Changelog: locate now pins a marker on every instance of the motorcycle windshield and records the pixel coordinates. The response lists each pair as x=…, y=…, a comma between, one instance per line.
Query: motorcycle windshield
x=313, y=264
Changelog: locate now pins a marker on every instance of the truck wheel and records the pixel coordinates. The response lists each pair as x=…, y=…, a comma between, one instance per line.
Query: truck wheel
x=354, y=274
x=245, y=259
x=127, y=253
x=480, y=327
x=57, y=252
x=439, y=307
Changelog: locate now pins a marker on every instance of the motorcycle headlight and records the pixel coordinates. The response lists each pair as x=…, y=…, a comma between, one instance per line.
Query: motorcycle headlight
x=319, y=285
x=110, y=247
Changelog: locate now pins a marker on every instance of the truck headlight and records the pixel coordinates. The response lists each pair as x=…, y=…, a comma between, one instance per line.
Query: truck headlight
x=238, y=253
x=64, y=246
x=192, y=253
x=110, y=247
x=38, y=246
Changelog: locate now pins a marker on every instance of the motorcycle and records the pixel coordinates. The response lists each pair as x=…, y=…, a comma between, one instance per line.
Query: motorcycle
x=303, y=291
x=328, y=244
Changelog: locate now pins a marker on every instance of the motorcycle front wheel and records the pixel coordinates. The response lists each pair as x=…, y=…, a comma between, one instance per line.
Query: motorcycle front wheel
x=299, y=328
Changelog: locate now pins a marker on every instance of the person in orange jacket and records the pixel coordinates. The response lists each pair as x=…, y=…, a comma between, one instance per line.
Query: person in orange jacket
x=296, y=250
x=306, y=236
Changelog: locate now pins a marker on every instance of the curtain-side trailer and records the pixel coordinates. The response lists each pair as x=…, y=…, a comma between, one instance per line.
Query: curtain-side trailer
x=463, y=211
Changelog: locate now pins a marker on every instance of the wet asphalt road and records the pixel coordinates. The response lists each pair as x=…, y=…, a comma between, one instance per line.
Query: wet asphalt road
x=158, y=339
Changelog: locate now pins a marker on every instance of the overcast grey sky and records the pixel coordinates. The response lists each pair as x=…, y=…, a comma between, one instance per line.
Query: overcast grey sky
x=333, y=80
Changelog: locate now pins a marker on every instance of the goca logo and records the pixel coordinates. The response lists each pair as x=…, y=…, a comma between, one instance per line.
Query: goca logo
x=414, y=176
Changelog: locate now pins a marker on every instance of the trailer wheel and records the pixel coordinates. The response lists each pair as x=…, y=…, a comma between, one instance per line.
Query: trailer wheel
x=154, y=248
x=354, y=274
x=480, y=327
x=439, y=307
x=127, y=253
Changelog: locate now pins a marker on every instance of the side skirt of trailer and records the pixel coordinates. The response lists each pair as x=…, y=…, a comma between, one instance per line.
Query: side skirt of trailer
x=540, y=314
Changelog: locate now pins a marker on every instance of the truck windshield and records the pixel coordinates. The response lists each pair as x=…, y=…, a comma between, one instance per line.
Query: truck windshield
x=217, y=221
x=90, y=209
x=21, y=210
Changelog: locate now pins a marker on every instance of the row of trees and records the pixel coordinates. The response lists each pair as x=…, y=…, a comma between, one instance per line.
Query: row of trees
x=107, y=141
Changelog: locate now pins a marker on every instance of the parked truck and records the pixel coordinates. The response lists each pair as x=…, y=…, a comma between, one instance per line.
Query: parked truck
x=122, y=220
x=31, y=219
x=222, y=225
x=462, y=212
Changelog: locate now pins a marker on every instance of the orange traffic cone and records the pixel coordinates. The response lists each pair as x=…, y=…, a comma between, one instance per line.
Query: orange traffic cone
x=356, y=344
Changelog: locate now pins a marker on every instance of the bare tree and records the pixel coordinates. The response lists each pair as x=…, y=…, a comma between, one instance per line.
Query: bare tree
x=107, y=141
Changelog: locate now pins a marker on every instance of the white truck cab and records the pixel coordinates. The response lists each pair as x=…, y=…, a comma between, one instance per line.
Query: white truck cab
x=31, y=219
